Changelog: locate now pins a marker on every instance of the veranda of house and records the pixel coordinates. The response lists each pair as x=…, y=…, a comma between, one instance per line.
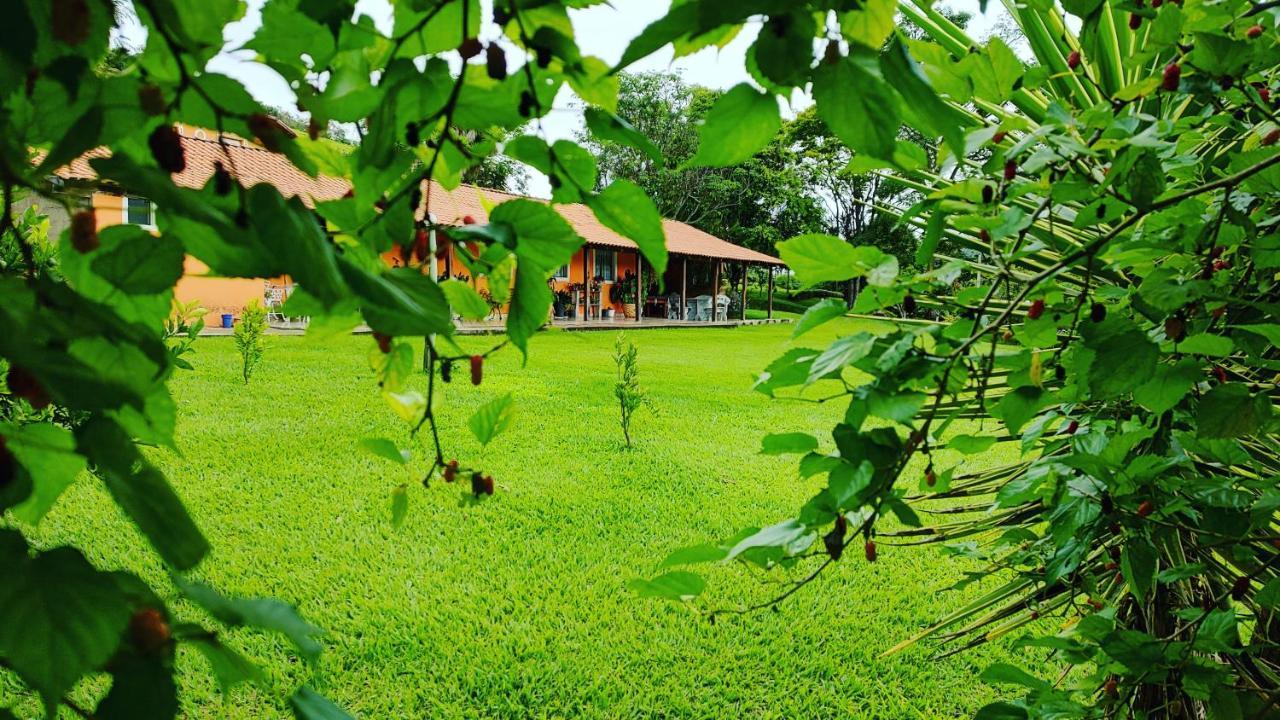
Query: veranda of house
x=703, y=281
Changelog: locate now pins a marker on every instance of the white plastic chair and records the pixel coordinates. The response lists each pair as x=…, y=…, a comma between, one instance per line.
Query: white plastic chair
x=673, y=307
x=722, y=307
x=273, y=297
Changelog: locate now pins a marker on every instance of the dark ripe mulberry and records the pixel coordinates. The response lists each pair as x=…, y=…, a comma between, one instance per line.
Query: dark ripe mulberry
x=1240, y=589
x=446, y=371
x=527, y=104
x=1073, y=60
x=470, y=48
x=25, y=385
x=481, y=484
x=1135, y=21
x=1010, y=170
x=477, y=369
x=834, y=540
x=384, y=342
x=84, y=231
x=1097, y=312
x=909, y=304
x=8, y=465
x=411, y=136
x=450, y=472
x=1171, y=77
x=542, y=56
x=1175, y=328
x=151, y=98
x=495, y=62
x=266, y=130
x=71, y=20
x=870, y=550
x=988, y=194
x=166, y=148
x=221, y=179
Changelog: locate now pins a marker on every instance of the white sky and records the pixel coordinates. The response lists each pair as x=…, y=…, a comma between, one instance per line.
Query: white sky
x=602, y=30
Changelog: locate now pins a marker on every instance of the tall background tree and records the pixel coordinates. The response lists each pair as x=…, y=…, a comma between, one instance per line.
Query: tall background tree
x=755, y=203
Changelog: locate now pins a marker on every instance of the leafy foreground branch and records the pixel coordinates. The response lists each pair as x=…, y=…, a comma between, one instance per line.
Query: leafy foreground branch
x=1109, y=308
x=86, y=336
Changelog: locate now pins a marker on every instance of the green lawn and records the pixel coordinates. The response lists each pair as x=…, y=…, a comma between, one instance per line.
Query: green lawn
x=516, y=607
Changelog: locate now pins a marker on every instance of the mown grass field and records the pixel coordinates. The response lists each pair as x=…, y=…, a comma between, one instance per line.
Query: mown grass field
x=516, y=607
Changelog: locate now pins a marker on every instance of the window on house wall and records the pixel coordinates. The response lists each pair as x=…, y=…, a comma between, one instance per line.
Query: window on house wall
x=562, y=273
x=606, y=265
x=139, y=211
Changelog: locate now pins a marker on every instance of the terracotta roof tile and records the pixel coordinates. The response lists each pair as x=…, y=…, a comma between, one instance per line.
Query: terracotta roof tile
x=450, y=207
x=256, y=164
x=253, y=163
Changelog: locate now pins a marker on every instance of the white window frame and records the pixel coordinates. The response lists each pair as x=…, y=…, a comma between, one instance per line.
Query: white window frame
x=595, y=262
x=124, y=211
x=565, y=276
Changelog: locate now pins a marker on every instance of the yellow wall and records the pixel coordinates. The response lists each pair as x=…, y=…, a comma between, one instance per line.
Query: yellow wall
x=216, y=294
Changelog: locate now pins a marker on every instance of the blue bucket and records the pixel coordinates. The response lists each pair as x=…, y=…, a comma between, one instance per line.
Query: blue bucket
x=228, y=320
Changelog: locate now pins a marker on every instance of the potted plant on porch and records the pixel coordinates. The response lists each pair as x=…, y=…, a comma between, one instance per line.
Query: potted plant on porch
x=624, y=292
x=562, y=302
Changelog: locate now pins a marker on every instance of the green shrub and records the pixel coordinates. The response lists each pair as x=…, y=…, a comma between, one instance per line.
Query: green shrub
x=251, y=338
x=627, y=389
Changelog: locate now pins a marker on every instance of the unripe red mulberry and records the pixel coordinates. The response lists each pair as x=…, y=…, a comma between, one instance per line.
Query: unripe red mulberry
x=1036, y=310
x=870, y=550
x=149, y=630
x=1073, y=60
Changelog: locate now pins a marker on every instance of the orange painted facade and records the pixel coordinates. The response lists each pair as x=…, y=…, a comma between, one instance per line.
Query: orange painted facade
x=625, y=262
x=216, y=294
x=219, y=295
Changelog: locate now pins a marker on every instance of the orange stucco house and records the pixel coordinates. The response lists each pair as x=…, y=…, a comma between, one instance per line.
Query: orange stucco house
x=697, y=258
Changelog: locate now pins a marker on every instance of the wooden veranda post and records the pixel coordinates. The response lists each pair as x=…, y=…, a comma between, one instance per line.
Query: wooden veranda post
x=639, y=286
x=586, y=285
x=769, y=313
x=715, y=289
x=684, y=287
x=744, y=290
